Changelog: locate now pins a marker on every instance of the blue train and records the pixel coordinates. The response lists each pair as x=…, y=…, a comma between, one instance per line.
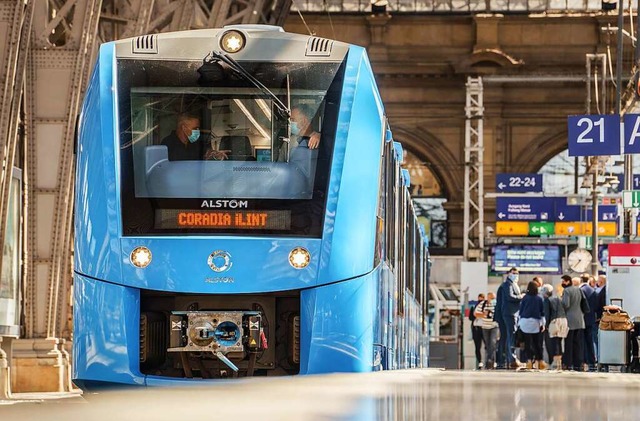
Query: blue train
x=241, y=211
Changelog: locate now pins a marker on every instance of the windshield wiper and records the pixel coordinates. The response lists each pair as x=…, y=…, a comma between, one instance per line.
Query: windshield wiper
x=240, y=71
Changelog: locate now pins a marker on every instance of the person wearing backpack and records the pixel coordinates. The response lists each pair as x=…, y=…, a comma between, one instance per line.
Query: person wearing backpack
x=475, y=316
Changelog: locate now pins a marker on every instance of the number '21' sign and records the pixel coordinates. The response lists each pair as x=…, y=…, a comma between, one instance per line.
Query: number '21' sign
x=594, y=135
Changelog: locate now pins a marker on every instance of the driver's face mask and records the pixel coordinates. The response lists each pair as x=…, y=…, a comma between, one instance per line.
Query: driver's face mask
x=195, y=134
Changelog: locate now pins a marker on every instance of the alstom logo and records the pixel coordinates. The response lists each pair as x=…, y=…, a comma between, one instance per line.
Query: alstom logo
x=225, y=204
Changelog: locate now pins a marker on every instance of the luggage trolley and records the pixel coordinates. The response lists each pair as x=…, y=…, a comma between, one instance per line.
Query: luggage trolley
x=613, y=346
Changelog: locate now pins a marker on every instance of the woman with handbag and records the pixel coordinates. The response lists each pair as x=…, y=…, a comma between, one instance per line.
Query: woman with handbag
x=557, y=327
x=532, y=323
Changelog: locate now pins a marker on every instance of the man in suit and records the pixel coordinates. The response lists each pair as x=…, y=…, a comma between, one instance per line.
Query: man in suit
x=573, y=356
x=510, y=306
x=590, y=326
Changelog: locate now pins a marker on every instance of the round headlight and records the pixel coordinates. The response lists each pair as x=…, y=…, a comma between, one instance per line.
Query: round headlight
x=232, y=41
x=140, y=257
x=299, y=258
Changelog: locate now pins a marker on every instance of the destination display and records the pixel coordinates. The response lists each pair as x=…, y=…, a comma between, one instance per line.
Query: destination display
x=533, y=259
x=223, y=220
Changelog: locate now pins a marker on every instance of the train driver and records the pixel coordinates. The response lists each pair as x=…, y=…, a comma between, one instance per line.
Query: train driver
x=183, y=143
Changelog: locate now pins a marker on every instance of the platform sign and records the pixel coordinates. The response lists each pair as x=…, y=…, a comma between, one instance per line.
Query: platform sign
x=524, y=208
x=519, y=183
x=632, y=134
x=591, y=135
x=541, y=228
x=631, y=199
x=512, y=228
x=635, y=184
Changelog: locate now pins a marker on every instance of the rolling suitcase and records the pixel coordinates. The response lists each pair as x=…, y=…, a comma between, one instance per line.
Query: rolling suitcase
x=613, y=346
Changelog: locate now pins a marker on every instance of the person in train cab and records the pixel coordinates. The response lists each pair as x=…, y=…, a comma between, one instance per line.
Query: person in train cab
x=573, y=356
x=302, y=133
x=510, y=307
x=183, y=143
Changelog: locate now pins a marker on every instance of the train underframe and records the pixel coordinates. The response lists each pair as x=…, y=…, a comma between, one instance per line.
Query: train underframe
x=218, y=336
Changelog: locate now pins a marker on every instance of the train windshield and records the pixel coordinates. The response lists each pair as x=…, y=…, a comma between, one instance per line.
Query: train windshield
x=204, y=150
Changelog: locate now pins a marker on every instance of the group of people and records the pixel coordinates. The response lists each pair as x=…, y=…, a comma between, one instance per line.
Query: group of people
x=182, y=143
x=563, y=321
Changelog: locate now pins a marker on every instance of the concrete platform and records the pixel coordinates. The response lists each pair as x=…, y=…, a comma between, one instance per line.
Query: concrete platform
x=402, y=395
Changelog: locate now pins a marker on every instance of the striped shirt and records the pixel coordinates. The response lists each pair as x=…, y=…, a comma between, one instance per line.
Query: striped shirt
x=488, y=308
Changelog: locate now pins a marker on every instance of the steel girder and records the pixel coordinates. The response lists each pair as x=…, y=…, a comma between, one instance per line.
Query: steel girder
x=15, y=30
x=63, y=32
x=126, y=18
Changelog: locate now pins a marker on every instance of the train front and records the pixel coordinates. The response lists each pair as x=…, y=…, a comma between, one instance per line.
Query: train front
x=226, y=201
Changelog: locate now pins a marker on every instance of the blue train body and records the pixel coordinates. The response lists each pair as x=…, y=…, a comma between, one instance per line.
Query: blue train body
x=358, y=305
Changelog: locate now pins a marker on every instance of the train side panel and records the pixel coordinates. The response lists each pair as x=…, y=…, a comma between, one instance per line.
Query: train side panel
x=350, y=219
x=337, y=326
x=97, y=220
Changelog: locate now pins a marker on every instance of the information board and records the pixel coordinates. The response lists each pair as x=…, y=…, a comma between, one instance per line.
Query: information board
x=529, y=259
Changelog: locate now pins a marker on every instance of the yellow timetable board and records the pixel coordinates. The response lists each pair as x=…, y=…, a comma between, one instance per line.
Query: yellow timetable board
x=516, y=229
x=605, y=229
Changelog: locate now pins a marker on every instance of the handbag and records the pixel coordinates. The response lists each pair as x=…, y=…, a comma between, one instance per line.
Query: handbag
x=614, y=318
x=559, y=328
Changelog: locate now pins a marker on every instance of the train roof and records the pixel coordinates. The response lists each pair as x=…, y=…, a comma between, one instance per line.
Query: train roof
x=261, y=43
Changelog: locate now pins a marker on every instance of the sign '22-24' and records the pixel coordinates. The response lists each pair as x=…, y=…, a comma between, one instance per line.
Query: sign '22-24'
x=591, y=135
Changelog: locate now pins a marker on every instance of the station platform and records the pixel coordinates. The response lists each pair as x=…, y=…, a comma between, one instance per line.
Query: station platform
x=428, y=394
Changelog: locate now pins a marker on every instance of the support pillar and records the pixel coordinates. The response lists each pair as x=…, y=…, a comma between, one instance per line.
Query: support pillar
x=5, y=372
x=39, y=365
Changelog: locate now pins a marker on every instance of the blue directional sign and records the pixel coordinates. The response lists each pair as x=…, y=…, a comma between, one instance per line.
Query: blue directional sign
x=575, y=213
x=524, y=209
x=632, y=133
x=518, y=183
x=634, y=186
x=567, y=213
x=594, y=135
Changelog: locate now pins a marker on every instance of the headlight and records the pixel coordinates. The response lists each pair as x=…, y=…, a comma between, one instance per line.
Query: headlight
x=232, y=41
x=299, y=258
x=140, y=257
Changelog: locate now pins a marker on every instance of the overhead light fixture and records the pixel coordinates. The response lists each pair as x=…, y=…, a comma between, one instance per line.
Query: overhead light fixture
x=379, y=7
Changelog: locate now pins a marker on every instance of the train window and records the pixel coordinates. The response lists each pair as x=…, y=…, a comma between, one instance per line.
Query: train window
x=206, y=152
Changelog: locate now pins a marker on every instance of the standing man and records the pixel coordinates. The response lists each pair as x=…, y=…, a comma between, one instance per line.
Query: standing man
x=502, y=328
x=590, y=327
x=574, y=343
x=510, y=307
